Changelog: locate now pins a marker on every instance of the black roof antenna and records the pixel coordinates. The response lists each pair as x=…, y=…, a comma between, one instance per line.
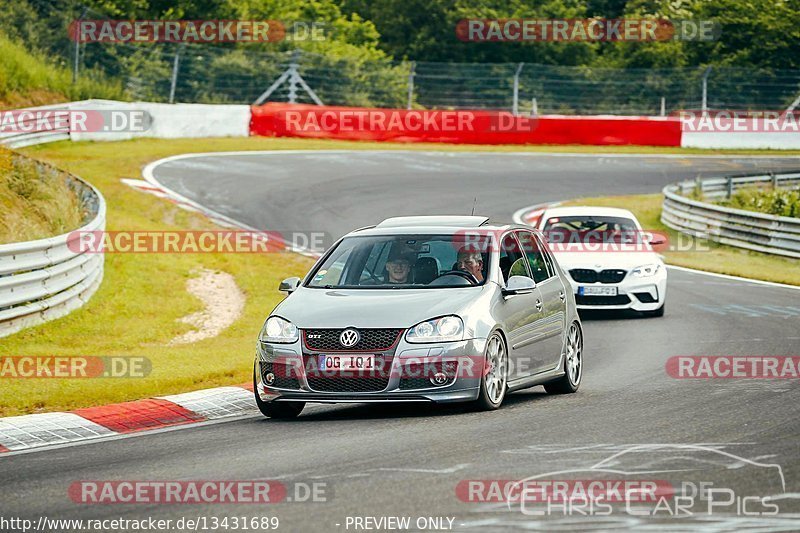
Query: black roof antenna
x=473, y=205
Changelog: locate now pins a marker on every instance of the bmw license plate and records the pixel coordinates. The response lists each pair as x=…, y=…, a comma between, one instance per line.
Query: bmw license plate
x=346, y=362
x=597, y=291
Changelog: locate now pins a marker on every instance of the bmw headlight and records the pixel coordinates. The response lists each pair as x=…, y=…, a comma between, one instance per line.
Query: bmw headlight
x=278, y=330
x=443, y=329
x=645, y=271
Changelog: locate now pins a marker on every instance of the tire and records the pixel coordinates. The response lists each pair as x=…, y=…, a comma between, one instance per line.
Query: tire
x=658, y=312
x=573, y=364
x=283, y=410
x=494, y=378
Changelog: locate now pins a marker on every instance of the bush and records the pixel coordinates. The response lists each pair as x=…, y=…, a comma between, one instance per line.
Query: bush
x=782, y=202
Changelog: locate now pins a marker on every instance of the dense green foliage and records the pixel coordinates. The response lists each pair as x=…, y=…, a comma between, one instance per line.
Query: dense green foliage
x=363, y=58
x=783, y=202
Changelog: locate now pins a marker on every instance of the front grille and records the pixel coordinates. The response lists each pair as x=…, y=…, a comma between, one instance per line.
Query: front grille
x=611, y=276
x=587, y=275
x=285, y=376
x=327, y=340
x=351, y=381
x=620, y=299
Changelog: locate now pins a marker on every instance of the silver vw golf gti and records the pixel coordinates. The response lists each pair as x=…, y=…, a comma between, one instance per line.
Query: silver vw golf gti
x=422, y=309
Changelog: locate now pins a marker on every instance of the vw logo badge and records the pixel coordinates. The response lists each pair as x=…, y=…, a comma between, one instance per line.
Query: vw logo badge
x=349, y=337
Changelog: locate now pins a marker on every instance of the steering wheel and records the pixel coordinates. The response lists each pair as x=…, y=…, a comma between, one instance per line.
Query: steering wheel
x=463, y=273
x=371, y=275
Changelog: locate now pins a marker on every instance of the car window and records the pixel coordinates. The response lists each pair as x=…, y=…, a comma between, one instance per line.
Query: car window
x=536, y=260
x=590, y=229
x=400, y=261
x=332, y=274
x=547, y=256
x=511, y=261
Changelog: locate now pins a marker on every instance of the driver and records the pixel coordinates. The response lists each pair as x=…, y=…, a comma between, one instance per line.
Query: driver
x=398, y=267
x=470, y=260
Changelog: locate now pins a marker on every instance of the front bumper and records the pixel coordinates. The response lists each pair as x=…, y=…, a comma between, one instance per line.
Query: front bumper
x=404, y=378
x=638, y=294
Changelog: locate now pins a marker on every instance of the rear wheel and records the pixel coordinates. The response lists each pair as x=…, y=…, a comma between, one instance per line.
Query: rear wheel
x=277, y=409
x=495, y=374
x=573, y=364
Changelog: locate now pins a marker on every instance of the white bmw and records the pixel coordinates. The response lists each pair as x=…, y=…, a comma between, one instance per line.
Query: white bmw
x=609, y=259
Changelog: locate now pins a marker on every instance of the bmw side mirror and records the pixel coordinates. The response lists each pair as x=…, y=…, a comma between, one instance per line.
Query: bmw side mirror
x=289, y=285
x=519, y=285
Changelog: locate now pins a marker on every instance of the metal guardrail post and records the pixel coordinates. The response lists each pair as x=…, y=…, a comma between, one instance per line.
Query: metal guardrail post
x=411, y=74
x=174, y=80
x=729, y=187
x=515, y=105
x=704, y=105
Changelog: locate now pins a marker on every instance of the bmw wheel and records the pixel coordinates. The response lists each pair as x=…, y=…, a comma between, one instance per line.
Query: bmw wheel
x=494, y=380
x=573, y=364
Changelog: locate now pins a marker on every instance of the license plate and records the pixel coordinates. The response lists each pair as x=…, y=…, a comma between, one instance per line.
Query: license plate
x=597, y=291
x=346, y=362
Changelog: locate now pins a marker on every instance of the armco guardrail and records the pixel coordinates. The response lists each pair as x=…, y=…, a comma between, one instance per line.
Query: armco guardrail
x=28, y=130
x=735, y=227
x=45, y=279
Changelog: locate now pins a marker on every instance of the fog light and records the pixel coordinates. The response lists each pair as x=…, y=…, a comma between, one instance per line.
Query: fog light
x=439, y=378
x=269, y=379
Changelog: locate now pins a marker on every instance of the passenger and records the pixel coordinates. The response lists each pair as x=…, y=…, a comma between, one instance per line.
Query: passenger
x=470, y=261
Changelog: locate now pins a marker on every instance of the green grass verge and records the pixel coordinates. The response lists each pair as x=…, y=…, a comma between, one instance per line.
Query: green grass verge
x=702, y=254
x=30, y=79
x=137, y=308
x=34, y=206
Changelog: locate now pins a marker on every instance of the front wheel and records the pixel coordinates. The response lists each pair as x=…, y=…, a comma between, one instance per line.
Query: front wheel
x=277, y=409
x=573, y=364
x=495, y=375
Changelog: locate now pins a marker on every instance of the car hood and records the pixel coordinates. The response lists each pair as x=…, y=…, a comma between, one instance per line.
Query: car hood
x=372, y=308
x=606, y=259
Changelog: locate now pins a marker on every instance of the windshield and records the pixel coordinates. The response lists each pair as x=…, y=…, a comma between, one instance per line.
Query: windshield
x=585, y=229
x=404, y=261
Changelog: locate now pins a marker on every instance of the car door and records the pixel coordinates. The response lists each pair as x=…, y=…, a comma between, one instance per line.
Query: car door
x=520, y=312
x=551, y=322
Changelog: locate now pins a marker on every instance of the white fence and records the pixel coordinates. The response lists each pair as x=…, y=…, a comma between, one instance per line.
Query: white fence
x=735, y=227
x=45, y=279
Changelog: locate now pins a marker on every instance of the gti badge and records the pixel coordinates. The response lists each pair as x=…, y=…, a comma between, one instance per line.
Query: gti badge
x=349, y=337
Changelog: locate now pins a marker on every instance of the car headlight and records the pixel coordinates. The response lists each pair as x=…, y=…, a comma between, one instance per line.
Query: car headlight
x=443, y=329
x=278, y=330
x=645, y=271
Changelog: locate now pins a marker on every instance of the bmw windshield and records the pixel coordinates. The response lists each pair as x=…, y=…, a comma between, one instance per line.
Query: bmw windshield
x=403, y=262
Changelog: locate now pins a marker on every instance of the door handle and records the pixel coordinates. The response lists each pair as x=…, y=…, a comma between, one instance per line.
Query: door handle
x=562, y=296
x=538, y=305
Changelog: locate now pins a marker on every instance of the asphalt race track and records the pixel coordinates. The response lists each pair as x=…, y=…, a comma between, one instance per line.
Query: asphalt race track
x=407, y=460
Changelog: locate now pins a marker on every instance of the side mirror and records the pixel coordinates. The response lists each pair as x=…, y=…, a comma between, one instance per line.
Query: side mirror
x=289, y=285
x=519, y=285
